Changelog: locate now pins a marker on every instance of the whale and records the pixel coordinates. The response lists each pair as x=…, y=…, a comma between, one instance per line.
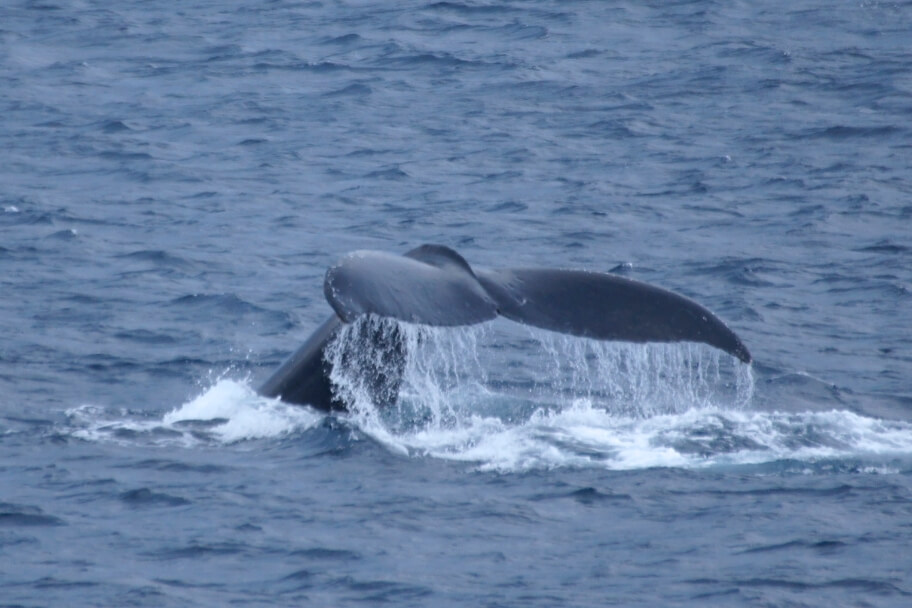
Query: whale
x=434, y=285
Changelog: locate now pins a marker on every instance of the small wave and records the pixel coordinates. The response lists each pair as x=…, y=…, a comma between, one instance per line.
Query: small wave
x=245, y=414
x=840, y=132
x=229, y=411
x=16, y=515
x=143, y=497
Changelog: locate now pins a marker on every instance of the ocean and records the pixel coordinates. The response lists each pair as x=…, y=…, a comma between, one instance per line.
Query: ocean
x=175, y=179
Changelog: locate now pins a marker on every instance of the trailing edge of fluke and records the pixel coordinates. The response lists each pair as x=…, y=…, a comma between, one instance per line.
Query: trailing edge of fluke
x=434, y=285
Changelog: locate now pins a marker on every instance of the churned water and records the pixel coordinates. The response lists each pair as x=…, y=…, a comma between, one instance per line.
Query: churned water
x=176, y=178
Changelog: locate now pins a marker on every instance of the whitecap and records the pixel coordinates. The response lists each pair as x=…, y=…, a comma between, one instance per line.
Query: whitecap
x=228, y=411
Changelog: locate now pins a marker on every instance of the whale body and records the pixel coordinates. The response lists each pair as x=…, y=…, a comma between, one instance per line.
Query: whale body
x=433, y=285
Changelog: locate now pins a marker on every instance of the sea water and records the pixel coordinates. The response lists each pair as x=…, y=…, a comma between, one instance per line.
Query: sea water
x=175, y=180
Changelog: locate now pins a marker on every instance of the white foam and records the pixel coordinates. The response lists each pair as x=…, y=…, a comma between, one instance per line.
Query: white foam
x=584, y=436
x=236, y=413
x=531, y=398
x=247, y=415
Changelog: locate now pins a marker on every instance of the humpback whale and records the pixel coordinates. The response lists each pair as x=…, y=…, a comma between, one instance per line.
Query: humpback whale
x=434, y=285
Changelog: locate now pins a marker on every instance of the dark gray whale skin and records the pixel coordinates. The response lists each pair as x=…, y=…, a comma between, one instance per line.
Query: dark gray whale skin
x=304, y=376
x=434, y=285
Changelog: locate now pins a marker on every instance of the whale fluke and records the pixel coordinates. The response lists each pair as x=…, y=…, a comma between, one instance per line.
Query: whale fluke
x=605, y=307
x=434, y=285
x=431, y=285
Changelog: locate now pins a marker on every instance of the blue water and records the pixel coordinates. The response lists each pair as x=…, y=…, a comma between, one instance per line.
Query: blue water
x=176, y=177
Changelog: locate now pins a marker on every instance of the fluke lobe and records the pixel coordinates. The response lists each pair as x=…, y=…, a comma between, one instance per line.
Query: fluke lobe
x=434, y=285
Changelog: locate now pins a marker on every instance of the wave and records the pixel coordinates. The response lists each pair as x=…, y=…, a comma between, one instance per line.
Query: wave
x=227, y=412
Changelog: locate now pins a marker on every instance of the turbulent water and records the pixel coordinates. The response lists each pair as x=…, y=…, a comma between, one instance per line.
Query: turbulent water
x=175, y=179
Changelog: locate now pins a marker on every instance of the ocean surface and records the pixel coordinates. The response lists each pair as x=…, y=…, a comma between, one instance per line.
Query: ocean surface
x=175, y=178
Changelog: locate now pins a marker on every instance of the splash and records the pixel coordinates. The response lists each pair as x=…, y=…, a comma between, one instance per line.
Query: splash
x=584, y=436
x=444, y=376
x=506, y=399
x=228, y=411
x=531, y=399
x=399, y=375
x=244, y=414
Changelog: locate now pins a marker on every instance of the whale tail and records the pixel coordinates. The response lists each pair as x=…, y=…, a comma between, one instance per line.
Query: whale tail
x=434, y=285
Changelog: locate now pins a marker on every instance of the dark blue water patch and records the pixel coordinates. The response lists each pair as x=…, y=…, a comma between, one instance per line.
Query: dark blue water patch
x=389, y=173
x=612, y=128
x=446, y=63
x=521, y=31
x=145, y=595
x=25, y=214
x=844, y=132
x=750, y=50
x=114, y=126
x=872, y=586
x=343, y=40
x=157, y=258
x=30, y=424
x=189, y=369
x=756, y=272
x=200, y=551
x=585, y=496
x=253, y=141
x=16, y=515
x=705, y=208
x=144, y=497
x=223, y=52
x=889, y=290
x=50, y=582
x=470, y=9
x=182, y=584
x=886, y=246
x=331, y=438
x=301, y=578
x=67, y=234
x=380, y=591
x=124, y=156
x=355, y=89
x=823, y=547
x=330, y=67
x=179, y=467
x=142, y=336
x=108, y=365
x=509, y=207
x=840, y=490
x=220, y=304
x=805, y=389
x=324, y=554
